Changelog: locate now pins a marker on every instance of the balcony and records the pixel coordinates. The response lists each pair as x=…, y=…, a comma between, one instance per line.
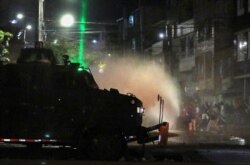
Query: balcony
x=187, y=64
x=242, y=69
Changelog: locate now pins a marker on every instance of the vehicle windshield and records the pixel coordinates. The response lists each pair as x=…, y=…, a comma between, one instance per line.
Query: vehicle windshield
x=32, y=55
x=187, y=61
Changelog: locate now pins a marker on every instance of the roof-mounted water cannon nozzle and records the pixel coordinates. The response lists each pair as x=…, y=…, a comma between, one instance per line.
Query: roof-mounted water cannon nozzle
x=39, y=44
x=66, y=60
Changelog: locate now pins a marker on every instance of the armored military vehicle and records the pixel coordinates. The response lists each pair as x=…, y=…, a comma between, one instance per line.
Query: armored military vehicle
x=43, y=102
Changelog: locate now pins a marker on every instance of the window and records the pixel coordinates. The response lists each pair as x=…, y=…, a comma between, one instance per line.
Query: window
x=183, y=44
x=191, y=41
x=179, y=31
x=36, y=55
x=131, y=21
x=190, y=45
x=208, y=32
x=201, y=36
x=200, y=67
x=242, y=46
x=248, y=45
x=248, y=5
x=240, y=7
x=208, y=65
x=133, y=44
x=174, y=31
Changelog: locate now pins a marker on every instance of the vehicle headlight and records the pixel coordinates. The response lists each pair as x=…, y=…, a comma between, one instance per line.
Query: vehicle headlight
x=140, y=110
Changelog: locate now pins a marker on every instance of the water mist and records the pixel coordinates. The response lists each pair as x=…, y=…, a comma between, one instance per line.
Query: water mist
x=146, y=80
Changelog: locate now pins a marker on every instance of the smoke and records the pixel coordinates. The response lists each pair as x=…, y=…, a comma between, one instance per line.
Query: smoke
x=146, y=80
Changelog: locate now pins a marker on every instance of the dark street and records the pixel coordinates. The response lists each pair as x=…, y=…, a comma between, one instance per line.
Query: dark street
x=202, y=148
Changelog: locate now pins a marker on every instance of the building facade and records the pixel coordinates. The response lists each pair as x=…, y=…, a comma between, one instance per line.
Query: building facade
x=202, y=45
x=241, y=50
x=205, y=46
x=140, y=28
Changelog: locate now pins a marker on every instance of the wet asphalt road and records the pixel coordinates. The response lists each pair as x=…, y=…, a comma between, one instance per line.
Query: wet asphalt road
x=202, y=148
x=201, y=154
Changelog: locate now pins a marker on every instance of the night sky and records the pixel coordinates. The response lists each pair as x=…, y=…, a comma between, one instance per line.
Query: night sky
x=108, y=9
x=98, y=10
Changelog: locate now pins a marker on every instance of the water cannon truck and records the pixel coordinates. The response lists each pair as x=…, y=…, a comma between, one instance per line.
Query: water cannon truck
x=46, y=103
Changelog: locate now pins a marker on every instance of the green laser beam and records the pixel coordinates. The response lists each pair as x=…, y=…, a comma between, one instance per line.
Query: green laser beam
x=81, y=58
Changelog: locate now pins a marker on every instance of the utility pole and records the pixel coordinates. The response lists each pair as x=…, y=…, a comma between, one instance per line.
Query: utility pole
x=41, y=21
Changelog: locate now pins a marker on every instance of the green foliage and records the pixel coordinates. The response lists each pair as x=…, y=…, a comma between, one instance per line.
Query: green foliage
x=63, y=47
x=4, y=42
x=1, y=36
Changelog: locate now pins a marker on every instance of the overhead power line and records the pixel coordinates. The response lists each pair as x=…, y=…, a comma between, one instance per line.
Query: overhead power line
x=88, y=22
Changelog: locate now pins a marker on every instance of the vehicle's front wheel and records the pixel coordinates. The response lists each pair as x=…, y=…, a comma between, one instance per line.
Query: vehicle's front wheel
x=106, y=147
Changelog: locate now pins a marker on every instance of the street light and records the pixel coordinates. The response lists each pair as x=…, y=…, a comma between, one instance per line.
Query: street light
x=29, y=27
x=161, y=35
x=19, y=16
x=67, y=20
x=24, y=31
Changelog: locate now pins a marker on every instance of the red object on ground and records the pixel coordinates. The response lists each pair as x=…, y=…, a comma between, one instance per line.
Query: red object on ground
x=163, y=130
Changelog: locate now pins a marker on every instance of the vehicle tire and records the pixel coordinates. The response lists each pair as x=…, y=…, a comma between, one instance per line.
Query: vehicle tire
x=106, y=147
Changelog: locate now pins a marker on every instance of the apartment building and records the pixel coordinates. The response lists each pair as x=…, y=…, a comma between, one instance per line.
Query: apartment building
x=241, y=49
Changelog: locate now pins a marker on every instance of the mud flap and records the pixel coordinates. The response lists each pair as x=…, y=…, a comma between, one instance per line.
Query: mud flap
x=162, y=135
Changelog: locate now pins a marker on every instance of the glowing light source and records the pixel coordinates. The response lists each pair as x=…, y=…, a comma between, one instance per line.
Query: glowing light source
x=242, y=44
x=14, y=21
x=29, y=27
x=19, y=16
x=161, y=35
x=47, y=135
x=80, y=69
x=55, y=41
x=101, y=67
x=101, y=70
x=67, y=20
